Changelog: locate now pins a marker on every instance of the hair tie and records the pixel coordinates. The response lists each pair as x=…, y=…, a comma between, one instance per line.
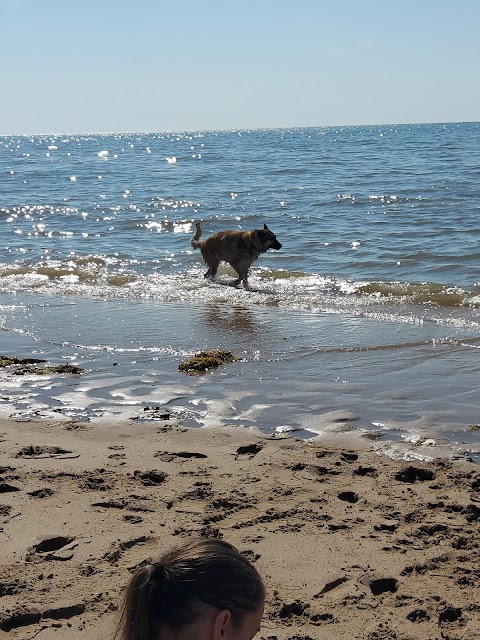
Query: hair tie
x=159, y=569
x=156, y=582
x=160, y=574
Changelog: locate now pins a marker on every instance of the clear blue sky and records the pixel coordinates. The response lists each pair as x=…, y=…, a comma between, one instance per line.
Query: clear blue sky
x=146, y=65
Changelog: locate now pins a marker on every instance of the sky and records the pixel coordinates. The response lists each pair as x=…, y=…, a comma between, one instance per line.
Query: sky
x=144, y=65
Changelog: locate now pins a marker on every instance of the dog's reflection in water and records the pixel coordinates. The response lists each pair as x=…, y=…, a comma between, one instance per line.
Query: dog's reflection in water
x=234, y=319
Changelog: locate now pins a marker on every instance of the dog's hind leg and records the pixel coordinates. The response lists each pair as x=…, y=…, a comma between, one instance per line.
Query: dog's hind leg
x=212, y=264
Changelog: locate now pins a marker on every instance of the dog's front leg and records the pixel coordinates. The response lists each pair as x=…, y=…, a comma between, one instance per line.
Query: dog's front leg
x=242, y=270
x=209, y=275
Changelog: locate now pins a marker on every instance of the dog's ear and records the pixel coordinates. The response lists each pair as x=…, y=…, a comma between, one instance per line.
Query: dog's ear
x=265, y=226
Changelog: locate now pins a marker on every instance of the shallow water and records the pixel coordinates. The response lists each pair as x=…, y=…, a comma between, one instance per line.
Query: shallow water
x=409, y=385
x=366, y=322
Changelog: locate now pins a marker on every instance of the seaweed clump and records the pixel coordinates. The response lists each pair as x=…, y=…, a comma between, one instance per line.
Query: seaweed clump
x=206, y=360
x=36, y=366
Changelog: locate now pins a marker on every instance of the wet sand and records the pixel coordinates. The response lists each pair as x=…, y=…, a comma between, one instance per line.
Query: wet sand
x=351, y=544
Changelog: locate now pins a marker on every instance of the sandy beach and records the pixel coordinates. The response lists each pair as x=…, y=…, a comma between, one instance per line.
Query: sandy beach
x=350, y=543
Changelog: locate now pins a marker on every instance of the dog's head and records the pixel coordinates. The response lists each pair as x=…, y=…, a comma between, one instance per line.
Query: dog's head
x=267, y=239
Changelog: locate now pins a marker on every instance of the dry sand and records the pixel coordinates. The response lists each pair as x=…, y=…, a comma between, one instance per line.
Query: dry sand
x=350, y=544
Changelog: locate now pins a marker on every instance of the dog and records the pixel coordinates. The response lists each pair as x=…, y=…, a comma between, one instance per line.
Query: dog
x=238, y=248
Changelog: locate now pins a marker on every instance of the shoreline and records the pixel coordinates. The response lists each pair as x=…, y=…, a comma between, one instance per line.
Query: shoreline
x=351, y=544
x=115, y=388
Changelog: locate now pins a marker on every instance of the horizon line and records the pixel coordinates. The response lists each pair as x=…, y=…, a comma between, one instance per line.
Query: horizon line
x=233, y=129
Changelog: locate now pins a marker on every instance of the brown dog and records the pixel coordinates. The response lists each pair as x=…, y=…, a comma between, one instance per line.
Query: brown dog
x=238, y=248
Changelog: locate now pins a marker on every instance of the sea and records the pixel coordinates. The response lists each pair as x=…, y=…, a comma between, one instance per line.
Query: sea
x=363, y=330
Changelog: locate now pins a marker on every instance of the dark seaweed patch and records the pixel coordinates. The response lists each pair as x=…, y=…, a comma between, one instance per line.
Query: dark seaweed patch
x=206, y=360
x=35, y=366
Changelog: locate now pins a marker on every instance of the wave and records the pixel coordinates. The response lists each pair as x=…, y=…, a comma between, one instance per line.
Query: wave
x=106, y=276
x=420, y=293
x=452, y=342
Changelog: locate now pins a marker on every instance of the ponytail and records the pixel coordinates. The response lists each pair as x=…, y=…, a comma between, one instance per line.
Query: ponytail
x=141, y=619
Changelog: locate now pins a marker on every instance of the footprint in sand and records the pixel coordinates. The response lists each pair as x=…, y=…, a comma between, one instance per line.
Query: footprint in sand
x=24, y=616
x=12, y=587
x=132, y=519
x=117, y=549
x=414, y=474
x=349, y=456
x=249, y=450
x=418, y=615
x=150, y=478
x=131, y=503
x=41, y=493
x=48, y=547
x=366, y=471
x=170, y=456
x=450, y=615
x=379, y=584
x=97, y=481
x=6, y=487
x=33, y=451
x=348, y=496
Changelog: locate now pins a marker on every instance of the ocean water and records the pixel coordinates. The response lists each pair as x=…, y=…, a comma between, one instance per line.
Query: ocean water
x=364, y=327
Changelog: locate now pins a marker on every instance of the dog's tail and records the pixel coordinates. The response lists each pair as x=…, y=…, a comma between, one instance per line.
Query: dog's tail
x=196, y=242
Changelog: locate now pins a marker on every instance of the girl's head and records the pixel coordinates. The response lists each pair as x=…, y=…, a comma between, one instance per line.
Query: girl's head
x=205, y=585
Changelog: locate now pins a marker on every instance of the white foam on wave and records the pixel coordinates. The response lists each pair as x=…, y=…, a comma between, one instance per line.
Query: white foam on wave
x=103, y=276
x=472, y=301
